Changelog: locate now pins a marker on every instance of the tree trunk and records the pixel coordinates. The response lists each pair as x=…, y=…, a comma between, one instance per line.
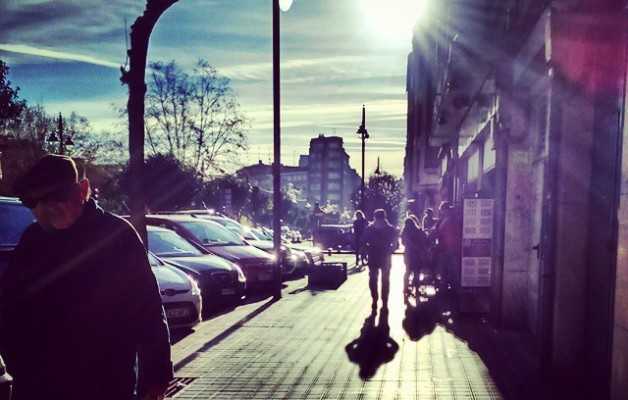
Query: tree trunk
x=135, y=77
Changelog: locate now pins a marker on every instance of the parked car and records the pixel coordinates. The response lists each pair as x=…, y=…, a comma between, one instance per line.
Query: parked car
x=14, y=219
x=180, y=294
x=336, y=237
x=218, y=279
x=289, y=260
x=256, y=264
x=202, y=211
x=233, y=225
x=296, y=237
x=305, y=257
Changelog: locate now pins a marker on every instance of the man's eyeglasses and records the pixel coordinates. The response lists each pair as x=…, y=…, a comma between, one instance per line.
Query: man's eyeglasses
x=57, y=196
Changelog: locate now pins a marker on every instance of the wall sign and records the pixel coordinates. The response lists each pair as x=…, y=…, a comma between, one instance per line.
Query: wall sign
x=477, y=240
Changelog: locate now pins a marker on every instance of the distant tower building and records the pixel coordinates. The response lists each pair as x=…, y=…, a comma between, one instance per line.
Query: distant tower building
x=330, y=178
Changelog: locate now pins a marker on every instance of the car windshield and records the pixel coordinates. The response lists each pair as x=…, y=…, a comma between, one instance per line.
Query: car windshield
x=14, y=219
x=212, y=234
x=169, y=244
x=249, y=234
x=263, y=234
x=154, y=261
x=232, y=225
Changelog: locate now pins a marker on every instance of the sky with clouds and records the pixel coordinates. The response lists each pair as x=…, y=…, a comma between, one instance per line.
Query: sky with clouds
x=335, y=56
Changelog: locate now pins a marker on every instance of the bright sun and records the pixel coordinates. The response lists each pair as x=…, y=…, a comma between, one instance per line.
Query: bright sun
x=393, y=20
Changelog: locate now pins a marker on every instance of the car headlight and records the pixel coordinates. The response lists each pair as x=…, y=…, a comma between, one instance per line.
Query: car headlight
x=195, y=291
x=241, y=276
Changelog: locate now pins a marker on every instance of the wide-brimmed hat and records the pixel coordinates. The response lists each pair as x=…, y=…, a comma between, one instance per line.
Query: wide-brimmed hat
x=50, y=173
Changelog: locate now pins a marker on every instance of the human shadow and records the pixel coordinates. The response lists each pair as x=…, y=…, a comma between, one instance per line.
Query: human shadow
x=421, y=316
x=374, y=347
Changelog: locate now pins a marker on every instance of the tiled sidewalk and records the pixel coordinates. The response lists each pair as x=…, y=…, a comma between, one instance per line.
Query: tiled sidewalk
x=327, y=345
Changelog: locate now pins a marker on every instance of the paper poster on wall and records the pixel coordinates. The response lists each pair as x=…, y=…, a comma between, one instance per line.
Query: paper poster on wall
x=477, y=237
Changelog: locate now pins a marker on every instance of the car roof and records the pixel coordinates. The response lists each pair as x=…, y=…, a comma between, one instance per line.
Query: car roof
x=154, y=228
x=181, y=218
x=9, y=199
x=172, y=217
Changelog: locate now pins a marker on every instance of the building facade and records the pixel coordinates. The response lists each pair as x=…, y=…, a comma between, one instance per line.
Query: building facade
x=330, y=178
x=323, y=175
x=525, y=101
x=261, y=175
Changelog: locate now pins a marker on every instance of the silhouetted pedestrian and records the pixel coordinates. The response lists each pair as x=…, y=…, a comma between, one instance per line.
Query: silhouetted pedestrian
x=79, y=303
x=380, y=240
x=359, y=226
x=447, y=236
x=429, y=222
x=415, y=244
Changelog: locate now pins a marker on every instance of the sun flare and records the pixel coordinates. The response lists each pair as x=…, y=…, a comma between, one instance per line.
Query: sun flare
x=393, y=20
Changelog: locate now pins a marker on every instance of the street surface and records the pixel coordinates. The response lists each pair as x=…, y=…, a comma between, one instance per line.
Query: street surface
x=325, y=344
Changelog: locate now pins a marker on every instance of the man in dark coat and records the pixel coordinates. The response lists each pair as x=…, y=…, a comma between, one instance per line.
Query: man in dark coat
x=381, y=240
x=79, y=303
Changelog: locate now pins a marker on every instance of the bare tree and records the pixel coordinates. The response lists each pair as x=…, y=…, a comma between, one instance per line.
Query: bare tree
x=193, y=117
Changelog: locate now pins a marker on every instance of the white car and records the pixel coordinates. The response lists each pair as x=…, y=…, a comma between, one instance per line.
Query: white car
x=180, y=294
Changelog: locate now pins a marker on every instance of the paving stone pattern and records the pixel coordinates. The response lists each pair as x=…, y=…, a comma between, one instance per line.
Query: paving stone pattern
x=324, y=344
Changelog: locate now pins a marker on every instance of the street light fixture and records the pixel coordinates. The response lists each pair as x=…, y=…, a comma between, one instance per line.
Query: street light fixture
x=54, y=138
x=363, y=135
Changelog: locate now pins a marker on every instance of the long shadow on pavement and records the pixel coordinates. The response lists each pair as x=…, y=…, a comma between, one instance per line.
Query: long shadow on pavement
x=506, y=355
x=374, y=347
x=225, y=334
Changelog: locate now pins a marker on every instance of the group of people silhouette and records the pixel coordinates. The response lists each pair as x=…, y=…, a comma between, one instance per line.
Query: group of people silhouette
x=431, y=250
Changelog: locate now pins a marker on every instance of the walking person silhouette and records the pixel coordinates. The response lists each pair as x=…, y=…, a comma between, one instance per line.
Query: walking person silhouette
x=381, y=240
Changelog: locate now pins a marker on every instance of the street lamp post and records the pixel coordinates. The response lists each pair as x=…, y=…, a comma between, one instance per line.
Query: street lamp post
x=363, y=135
x=277, y=5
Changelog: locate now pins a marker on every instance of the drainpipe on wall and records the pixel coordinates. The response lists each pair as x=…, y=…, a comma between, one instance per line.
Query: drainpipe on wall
x=501, y=131
x=549, y=230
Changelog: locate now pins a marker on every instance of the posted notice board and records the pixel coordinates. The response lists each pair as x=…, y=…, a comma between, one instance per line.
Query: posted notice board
x=477, y=241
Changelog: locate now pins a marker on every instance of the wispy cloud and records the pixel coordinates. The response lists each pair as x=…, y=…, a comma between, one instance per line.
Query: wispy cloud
x=58, y=55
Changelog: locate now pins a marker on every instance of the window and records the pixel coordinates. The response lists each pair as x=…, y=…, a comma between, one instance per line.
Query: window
x=489, y=153
x=333, y=197
x=473, y=168
x=333, y=186
x=14, y=219
x=541, y=126
x=443, y=165
x=169, y=244
x=334, y=175
x=209, y=233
